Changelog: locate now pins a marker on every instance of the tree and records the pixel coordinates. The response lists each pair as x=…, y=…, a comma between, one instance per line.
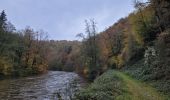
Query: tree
x=3, y=20
x=143, y=23
x=161, y=11
x=90, y=50
x=34, y=56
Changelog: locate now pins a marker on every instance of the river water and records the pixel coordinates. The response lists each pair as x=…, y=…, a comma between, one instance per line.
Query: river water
x=50, y=86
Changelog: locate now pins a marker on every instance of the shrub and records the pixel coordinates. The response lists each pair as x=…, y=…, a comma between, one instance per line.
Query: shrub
x=106, y=87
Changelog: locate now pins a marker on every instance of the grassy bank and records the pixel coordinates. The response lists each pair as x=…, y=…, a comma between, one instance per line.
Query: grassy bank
x=106, y=87
x=149, y=75
x=115, y=85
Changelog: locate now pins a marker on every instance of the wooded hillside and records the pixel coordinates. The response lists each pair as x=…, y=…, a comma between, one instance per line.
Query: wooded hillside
x=138, y=44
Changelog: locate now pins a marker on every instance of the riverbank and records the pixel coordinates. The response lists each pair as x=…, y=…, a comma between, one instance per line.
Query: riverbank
x=119, y=86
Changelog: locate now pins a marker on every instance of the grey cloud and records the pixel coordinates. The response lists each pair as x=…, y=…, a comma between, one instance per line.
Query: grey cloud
x=63, y=19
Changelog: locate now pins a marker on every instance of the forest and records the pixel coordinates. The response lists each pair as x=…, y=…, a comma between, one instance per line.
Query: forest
x=137, y=45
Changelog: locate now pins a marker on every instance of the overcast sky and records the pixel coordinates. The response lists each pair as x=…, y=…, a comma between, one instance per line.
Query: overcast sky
x=63, y=19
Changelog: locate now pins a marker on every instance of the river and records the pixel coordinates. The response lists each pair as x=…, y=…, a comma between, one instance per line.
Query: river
x=50, y=86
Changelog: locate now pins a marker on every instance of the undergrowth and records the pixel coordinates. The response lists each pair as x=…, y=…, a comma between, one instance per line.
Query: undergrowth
x=106, y=87
x=151, y=75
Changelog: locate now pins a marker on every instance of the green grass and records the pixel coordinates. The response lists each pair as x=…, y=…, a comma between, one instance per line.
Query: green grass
x=151, y=75
x=116, y=85
x=106, y=87
x=140, y=90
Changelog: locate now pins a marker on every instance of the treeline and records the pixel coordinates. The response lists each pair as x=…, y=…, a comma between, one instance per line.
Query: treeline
x=22, y=53
x=142, y=36
x=142, y=39
x=64, y=55
x=28, y=52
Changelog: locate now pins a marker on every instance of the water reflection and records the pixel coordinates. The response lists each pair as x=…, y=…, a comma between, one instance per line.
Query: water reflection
x=50, y=86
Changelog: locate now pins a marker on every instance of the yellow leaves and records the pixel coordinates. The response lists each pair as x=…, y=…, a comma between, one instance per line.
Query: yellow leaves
x=120, y=61
x=85, y=71
x=134, y=20
x=142, y=22
x=5, y=66
x=41, y=68
x=117, y=61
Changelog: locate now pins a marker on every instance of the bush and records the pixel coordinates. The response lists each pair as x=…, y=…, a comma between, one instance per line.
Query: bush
x=155, y=74
x=5, y=67
x=106, y=87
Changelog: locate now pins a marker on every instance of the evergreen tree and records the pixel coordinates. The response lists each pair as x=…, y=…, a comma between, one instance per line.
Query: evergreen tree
x=3, y=20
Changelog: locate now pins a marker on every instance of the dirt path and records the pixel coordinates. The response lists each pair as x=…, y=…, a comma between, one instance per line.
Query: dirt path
x=139, y=90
